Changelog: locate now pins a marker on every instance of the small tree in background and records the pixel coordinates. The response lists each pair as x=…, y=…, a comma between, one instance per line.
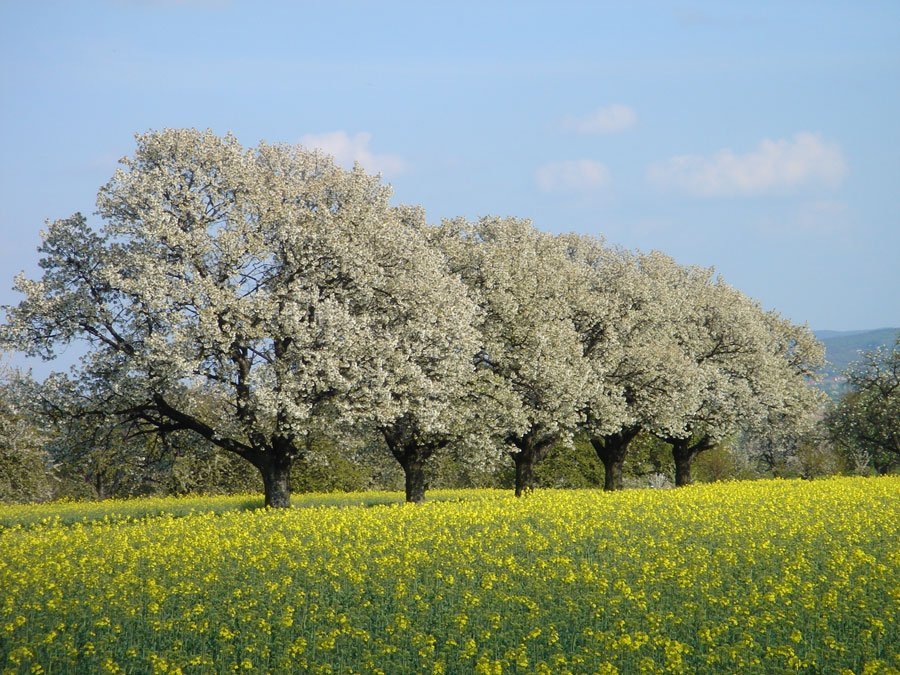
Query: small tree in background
x=100, y=455
x=865, y=422
x=24, y=464
x=575, y=466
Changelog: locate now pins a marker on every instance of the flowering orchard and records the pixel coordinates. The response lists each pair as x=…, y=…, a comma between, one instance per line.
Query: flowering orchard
x=764, y=576
x=253, y=298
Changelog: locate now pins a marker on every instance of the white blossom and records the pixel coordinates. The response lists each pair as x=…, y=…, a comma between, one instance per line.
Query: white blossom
x=289, y=289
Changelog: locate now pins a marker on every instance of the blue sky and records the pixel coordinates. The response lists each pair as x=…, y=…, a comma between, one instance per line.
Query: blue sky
x=760, y=138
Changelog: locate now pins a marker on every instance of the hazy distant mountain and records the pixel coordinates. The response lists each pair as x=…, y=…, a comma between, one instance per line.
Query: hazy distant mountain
x=843, y=347
x=823, y=334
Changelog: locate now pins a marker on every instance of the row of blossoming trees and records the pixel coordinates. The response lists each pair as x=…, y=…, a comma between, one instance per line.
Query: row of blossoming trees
x=256, y=296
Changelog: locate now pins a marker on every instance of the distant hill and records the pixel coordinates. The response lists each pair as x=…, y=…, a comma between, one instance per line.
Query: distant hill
x=843, y=348
x=827, y=334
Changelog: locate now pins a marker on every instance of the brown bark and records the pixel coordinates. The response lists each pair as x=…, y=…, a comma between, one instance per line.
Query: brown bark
x=611, y=451
x=683, y=459
x=414, y=471
x=612, y=474
x=524, y=472
x=683, y=452
x=411, y=452
x=276, y=475
x=531, y=450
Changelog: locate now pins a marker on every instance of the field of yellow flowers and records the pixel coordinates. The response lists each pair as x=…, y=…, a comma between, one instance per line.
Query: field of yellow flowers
x=764, y=576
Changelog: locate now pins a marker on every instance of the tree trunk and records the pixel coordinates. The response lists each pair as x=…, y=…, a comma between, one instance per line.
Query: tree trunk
x=882, y=468
x=276, y=475
x=531, y=449
x=683, y=461
x=524, y=460
x=611, y=451
x=612, y=473
x=683, y=452
x=414, y=469
x=98, y=485
x=411, y=452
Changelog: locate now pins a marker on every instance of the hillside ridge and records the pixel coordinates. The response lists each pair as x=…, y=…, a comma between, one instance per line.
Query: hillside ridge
x=842, y=348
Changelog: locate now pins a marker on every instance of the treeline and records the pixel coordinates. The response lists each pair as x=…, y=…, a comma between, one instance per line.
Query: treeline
x=262, y=311
x=45, y=463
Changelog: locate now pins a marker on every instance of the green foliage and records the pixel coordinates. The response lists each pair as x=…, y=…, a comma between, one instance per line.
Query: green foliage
x=719, y=463
x=455, y=469
x=574, y=466
x=348, y=465
x=817, y=458
x=649, y=460
x=199, y=468
x=23, y=474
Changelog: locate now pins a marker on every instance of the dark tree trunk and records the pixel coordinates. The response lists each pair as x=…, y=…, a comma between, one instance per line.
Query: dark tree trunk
x=276, y=475
x=531, y=450
x=612, y=474
x=524, y=472
x=683, y=458
x=411, y=451
x=884, y=467
x=683, y=452
x=414, y=469
x=611, y=450
x=98, y=485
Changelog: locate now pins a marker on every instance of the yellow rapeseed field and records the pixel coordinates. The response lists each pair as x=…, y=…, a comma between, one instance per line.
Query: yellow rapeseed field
x=766, y=576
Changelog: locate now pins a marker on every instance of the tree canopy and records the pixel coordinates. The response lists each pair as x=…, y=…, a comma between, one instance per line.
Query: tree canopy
x=258, y=298
x=286, y=288
x=537, y=378
x=865, y=423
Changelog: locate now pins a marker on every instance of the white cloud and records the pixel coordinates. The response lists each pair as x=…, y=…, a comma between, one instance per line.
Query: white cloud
x=573, y=175
x=774, y=166
x=347, y=149
x=608, y=120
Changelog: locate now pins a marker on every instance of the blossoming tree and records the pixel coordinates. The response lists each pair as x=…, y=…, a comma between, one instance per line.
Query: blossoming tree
x=536, y=375
x=751, y=368
x=624, y=315
x=865, y=423
x=286, y=289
